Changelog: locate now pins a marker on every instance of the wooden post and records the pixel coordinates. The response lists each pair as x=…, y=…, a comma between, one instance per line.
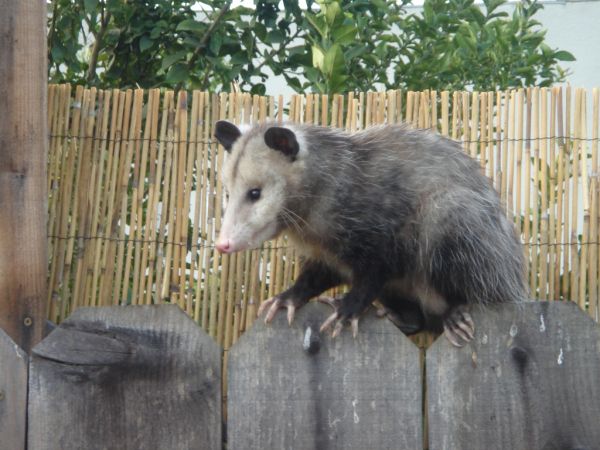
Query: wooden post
x=23, y=144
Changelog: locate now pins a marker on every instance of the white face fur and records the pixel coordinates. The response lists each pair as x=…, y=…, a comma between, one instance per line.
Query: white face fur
x=257, y=179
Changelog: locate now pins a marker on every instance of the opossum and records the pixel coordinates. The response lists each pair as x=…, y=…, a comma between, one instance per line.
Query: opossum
x=402, y=215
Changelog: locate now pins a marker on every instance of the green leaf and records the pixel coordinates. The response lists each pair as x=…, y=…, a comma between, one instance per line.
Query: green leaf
x=258, y=89
x=491, y=5
x=215, y=43
x=332, y=10
x=294, y=83
x=275, y=37
x=57, y=53
x=334, y=60
x=89, y=6
x=355, y=51
x=317, y=57
x=344, y=34
x=190, y=25
x=145, y=43
x=239, y=58
x=261, y=31
x=311, y=74
x=169, y=60
x=176, y=74
x=318, y=24
x=563, y=55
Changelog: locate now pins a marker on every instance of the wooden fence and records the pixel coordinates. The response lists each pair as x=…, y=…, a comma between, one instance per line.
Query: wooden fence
x=147, y=377
x=136, y=198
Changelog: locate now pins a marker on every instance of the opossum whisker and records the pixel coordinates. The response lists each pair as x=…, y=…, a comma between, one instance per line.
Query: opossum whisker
x=293, y=219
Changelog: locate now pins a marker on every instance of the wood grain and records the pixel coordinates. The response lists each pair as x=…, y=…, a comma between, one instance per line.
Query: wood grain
x=294, y=388
x=138, y=377
x=23, y=190
x=529, y=380
x=13, y=394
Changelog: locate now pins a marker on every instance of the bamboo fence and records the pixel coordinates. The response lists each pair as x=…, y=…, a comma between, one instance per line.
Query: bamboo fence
x=135, y=197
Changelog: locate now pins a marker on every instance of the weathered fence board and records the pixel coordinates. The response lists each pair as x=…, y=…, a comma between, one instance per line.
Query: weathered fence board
x=294, y=388
x=13, y=394
x=529, y=380
x=136, y=377
x=23, y=151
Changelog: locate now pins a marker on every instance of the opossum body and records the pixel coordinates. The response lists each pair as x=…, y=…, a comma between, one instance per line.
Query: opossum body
x=402, y=215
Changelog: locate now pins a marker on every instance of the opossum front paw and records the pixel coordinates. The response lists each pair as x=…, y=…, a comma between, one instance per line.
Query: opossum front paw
x=277, y=302
x=342, y=315
x=459, y=327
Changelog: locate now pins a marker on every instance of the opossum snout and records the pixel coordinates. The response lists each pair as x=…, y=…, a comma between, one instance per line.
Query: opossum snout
x=224, y=246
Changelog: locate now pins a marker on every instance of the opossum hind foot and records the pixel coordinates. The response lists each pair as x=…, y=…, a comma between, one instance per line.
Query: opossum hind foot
x=409, y=321
x=338, y=317
x=459, y=327
x=277, y=302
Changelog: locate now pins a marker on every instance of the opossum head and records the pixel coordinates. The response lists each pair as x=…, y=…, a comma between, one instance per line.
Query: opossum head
x=262, y=170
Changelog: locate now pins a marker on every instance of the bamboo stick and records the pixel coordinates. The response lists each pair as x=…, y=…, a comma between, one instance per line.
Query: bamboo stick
x=211, y=289
x=135, y=148
x=594, y=210
x=585, y=192
x=474, y=125
x=573, y=239
x=501, y=152
x=82, y=203
x=553, y=260
x=98, y=225
x=563, y=177
x=137, y=206
x=505, y=149
x=544, y=215
x=119, y=122
x=194, y=180
x=534, y=204
x=483, y=132
x=154, y=162
x=56, y=222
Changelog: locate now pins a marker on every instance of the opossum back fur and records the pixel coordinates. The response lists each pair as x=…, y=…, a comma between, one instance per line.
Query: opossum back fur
x=407, y=202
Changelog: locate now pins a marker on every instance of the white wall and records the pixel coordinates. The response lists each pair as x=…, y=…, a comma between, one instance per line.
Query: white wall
x=575, y=27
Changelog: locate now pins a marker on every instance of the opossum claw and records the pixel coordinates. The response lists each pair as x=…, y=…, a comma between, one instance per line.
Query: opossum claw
x=337, y=329
x=274, y=304
x=332, y=318
x=331, y=301
x=291, y=310
x=459, y=327
x=337, y=318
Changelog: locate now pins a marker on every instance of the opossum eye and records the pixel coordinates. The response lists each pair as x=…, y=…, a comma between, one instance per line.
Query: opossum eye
x=254, y=194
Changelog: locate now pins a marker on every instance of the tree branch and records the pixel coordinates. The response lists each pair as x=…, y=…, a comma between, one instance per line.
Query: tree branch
x=91, y=73
x=206, y=37
x=55, y=9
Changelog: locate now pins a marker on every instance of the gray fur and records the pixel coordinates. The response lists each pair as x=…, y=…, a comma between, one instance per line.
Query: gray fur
x=390, y=198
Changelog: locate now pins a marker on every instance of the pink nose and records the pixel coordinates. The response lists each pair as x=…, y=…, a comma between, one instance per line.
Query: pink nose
x=224, y=246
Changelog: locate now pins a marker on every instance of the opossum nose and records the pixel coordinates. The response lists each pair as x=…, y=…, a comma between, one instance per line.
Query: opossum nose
x=223, y=245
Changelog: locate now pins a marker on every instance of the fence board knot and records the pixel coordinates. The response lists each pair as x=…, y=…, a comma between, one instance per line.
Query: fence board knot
x=120, y=377
x=529, y=380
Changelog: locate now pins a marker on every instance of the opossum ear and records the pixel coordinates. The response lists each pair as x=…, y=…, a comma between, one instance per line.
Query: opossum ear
x=226, y=133
x=283, y=140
